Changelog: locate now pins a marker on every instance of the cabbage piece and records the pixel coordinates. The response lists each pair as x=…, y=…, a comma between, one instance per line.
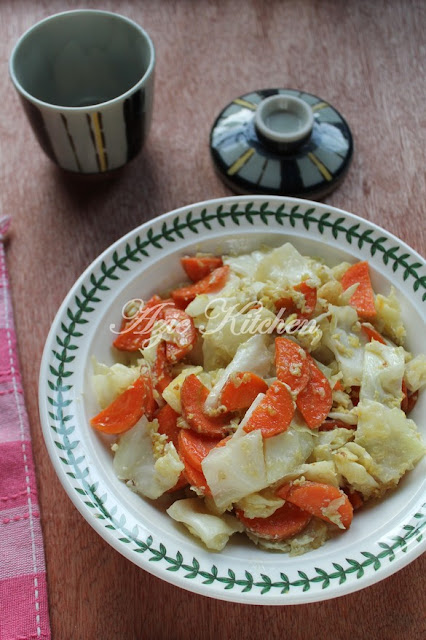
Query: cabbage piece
x=346, y=340
x=322, y=471
x=382, y=374
x=313, y=536
x=236, y=469
x=213, y=530
x=149, y=469
x=171, y=393
x=389, y=320
x=246, y=264
x=350, y=416
x=253, y=356
x=286, y=266
x=227, y=329
x=415, y=373
x=329, y=441
x=260, y=505
x=109, y=382
x=159, y=331
x=351, y=462
x=391, y=439
x=286, y=451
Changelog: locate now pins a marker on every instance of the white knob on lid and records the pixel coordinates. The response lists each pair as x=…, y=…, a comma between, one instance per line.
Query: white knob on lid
x=283, y=121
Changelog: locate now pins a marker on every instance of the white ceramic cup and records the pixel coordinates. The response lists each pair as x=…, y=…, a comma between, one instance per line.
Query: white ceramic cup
x=86, y=81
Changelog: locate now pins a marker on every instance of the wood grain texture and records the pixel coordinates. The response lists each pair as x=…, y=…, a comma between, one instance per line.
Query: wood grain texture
x=366, y=58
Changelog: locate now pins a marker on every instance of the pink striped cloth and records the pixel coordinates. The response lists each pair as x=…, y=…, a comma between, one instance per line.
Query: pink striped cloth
x=23, y=594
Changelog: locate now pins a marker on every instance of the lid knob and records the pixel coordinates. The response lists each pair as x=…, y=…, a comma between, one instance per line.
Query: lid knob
x=283, y=122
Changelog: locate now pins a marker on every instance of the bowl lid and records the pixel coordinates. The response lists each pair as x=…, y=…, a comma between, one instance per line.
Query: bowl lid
x=281, y=142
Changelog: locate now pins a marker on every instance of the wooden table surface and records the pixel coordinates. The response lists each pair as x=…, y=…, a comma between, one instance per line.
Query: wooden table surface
x=366, y=58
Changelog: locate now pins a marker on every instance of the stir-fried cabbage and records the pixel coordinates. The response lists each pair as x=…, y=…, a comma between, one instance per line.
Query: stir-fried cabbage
x=109, y=382
x=382, y=374
x=213, y=530
x=362, y=442
x=346, y=340
x=149, y=466
x=391, y=439
x=236, y=469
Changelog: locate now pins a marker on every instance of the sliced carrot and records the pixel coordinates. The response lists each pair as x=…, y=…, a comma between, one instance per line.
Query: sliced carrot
x=292, y=364
x=329, y=425
x=212, y=283
x=284, y=523
x=127, y=409
x=136, y=331
x=167, y=424
x=363, y=298
x=184, y=334
x=180, y=484
x=193, y=447
x=161, y=370
x=193, y=396
x=274, y=412
x=408, y=399
x=372, y=334
x=316, y=497
x=315, y=400
x=196, y=478
x=355, y=498
x=198, y=268
x=354, y=395
x=412, y=399
x=338, y=386
x=241, y=389
x=304, y=311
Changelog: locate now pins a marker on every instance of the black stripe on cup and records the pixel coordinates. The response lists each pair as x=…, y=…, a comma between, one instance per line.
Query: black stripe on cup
x=39, y=127
x=71, y=141
x=134, y=118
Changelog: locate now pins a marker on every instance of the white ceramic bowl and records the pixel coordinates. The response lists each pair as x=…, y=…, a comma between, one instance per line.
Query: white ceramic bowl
x=383, y=537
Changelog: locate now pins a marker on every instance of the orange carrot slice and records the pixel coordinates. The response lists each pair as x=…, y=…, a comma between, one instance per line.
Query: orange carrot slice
x=161, y=370
x=184, y=334
x=193, y=396
x=363, y=298
x=198, y=268
x=167, y=424
x=292, y=364
x=180, y=484
x=127, y=409
x=338, y=386
x=372, y=334
x=274, y=413
x=193, y=447
x=356, y=500
x=316, y=498
x=195, y=477
x=212, y=283
x=315, y=400
x=408, y=399
x=354, y=395
x=284, y=523
x=241, y=389
x=329, y=425
x=135, y=332
x=307, y=309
